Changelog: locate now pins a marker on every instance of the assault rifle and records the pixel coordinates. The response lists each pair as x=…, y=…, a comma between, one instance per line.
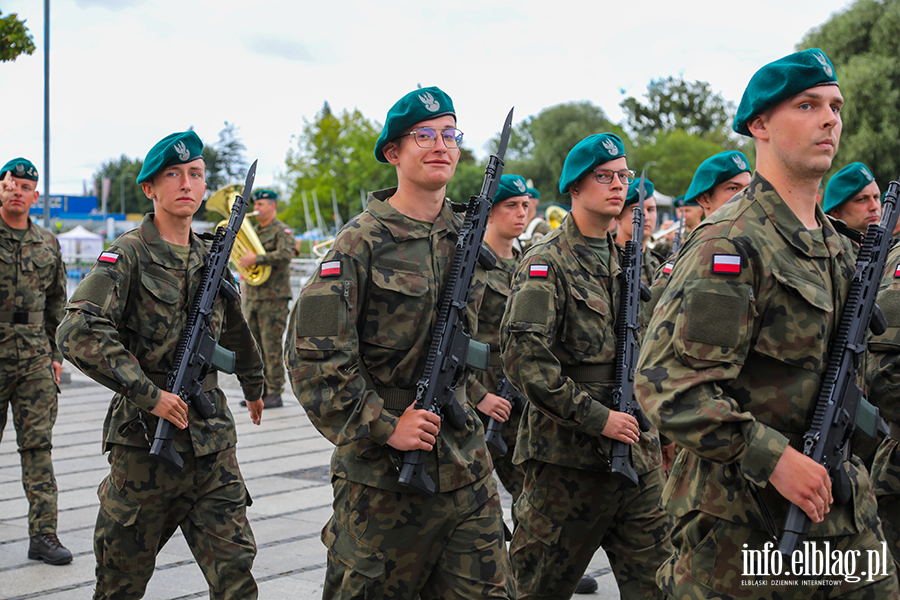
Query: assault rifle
x=840, y=406
x=492, y=436
x=445, y=366
x=198, y=353
x=628, y=326
x=679, y=237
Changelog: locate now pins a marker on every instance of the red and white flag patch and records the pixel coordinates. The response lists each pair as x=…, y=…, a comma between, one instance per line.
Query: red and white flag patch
x=727, y=263
x=108, y=257
x=668, y=268
x=897, y=271
x=538, y=270
x=330, y=269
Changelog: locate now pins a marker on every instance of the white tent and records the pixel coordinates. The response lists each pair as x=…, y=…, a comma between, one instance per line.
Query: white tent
x=80, y=245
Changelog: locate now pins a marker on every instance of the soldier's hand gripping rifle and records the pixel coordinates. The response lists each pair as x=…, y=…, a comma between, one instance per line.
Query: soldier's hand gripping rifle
x=446, y=363
x=840, y=406
x=493, y=436
x=628, y=327
x=198, y=353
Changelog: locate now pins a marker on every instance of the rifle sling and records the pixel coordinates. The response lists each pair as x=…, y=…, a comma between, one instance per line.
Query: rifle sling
x=589, y=373
x=161, y=380
x=895, y=432
x=397, y=398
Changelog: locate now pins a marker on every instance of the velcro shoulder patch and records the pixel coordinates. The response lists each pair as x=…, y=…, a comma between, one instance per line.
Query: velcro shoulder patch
x=726, y=264
x=897, y=271
x=108, y=257
x=538, y=271
x=331, y=268
x=668, y=268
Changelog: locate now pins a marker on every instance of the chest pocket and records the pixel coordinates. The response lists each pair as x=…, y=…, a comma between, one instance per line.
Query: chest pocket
x=158, y=305
x=588, y=327
x=396, y=306
x=795, y=323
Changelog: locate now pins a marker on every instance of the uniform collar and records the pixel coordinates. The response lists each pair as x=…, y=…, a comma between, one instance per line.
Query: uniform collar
x=400, y=226
x=585, y=255
x=159, y=248
x=31, y=234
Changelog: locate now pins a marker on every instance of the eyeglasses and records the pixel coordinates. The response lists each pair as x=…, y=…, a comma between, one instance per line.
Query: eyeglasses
x=605, y=176
x=426, y=137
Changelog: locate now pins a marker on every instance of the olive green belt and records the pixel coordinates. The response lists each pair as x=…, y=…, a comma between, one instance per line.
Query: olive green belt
x=895, y=432
x=589, y=373
x=161, y=380
x=21, y=317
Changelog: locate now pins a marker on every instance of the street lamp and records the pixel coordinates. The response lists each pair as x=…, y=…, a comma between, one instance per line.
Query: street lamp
x=122, y=189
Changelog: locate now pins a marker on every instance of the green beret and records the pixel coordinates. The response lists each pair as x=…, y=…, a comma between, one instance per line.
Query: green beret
x=678, y=202
x=417, y=106
x=510, y=186
x=21, y=168
x=264, y=194
x=716, y=169
x=633, y=197
x=534, y=193
x=780, y=80
x=689, y=202
x=174, y=149
x=588, y=153
x=845, y=184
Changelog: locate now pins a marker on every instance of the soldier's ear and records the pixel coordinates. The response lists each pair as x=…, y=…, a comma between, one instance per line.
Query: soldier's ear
x=148, y=190
x=391, y=152
x=758, y=126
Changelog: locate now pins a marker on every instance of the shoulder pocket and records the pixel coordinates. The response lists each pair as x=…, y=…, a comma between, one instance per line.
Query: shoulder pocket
x=713, y=325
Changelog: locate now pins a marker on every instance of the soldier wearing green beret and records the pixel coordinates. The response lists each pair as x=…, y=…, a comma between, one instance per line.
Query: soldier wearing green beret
x=33, y=280
x=558, y=341
x=625, y=223
x=853, y=196
x=717, y=180
x=122, y=328
x=266, y=304
x=735, y=355
x=357, y=344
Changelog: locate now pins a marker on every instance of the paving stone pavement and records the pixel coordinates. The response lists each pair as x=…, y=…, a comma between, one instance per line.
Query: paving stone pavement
x=285, y=463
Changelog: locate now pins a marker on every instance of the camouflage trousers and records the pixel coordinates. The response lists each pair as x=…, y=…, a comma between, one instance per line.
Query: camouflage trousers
x=29, y=387
x=268, y=321
x=565, y=515
x=886, y=481
x=143, y=501
x=511, y=476
x=718, y=559
x=398, y=545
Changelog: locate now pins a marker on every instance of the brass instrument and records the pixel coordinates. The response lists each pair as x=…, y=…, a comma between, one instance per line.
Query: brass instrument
x=555, y=215
x=246, y=240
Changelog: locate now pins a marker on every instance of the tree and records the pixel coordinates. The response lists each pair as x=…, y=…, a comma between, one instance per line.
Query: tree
x=675, y=104
x=14, y=38
x=122, y=174
x=334, y=152
x=230, y=160
x=862, y=42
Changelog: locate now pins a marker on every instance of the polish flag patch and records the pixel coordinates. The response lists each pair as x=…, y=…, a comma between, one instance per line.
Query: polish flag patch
x=108, y=257
x=330, y=269
x=538, y=270
x=729, y=264
x=668, y=268
x=897, y=271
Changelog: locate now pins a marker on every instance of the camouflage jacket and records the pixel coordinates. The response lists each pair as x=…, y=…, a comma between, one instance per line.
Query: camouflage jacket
x=122, y=328
x=559, y=328
x=735, y=354
x=374, y=300
x=277, y=239
x=33, y=291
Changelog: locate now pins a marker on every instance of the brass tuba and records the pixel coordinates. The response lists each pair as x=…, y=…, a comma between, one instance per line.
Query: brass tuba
x=246, y=240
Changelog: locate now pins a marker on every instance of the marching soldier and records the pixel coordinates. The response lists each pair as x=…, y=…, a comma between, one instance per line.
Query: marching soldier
x=33, y=280
x=122, y=329
x=853, y=196
x=625, y=225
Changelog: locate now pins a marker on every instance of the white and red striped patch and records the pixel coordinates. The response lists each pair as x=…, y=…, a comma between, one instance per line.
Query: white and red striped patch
x=668, y=268
x=897, y=271
x=330, y=269
x=729, y=264
x=108, y=257
x=538, y=270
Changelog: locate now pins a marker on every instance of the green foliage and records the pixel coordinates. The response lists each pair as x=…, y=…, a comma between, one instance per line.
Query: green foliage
x=14, y=38
x=122, y=174
x=230, y=161
x=863, y=42
x=333, y=152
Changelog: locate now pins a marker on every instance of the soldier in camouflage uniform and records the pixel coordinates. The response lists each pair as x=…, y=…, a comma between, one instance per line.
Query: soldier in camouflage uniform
x=625, y=223
x=266, y=305
x=122, y=328
x=735, y=354
x=559, y=344
x=357, y=344
x=506, y=223
x=33, y=284
x=717, y=180
x=853, y=197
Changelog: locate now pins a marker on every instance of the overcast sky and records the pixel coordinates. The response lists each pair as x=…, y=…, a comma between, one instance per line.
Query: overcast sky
x=125, y=73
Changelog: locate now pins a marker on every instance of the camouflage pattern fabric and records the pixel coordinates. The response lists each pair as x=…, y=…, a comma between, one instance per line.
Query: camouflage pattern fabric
x=493, y=305
x=374, y=300
x=144, y=501
x=33, y=285
x=729, y=370
x=384, y=544
x=278, y=240
x=561, y=318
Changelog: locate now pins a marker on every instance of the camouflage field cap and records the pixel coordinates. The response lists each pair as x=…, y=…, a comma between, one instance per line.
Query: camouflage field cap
x=174, y=149
x=588, y=153
x=780, y=80
x=510, y=186
x=21, y=168
x=417, y=106
x=845, y=184
x=264, y=194
x=633, y=196
x=534, y=193
x=716, y=169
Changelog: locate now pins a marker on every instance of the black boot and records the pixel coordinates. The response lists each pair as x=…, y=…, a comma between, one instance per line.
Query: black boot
x=47, y=547
x=272, y=401
x=587, y=585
